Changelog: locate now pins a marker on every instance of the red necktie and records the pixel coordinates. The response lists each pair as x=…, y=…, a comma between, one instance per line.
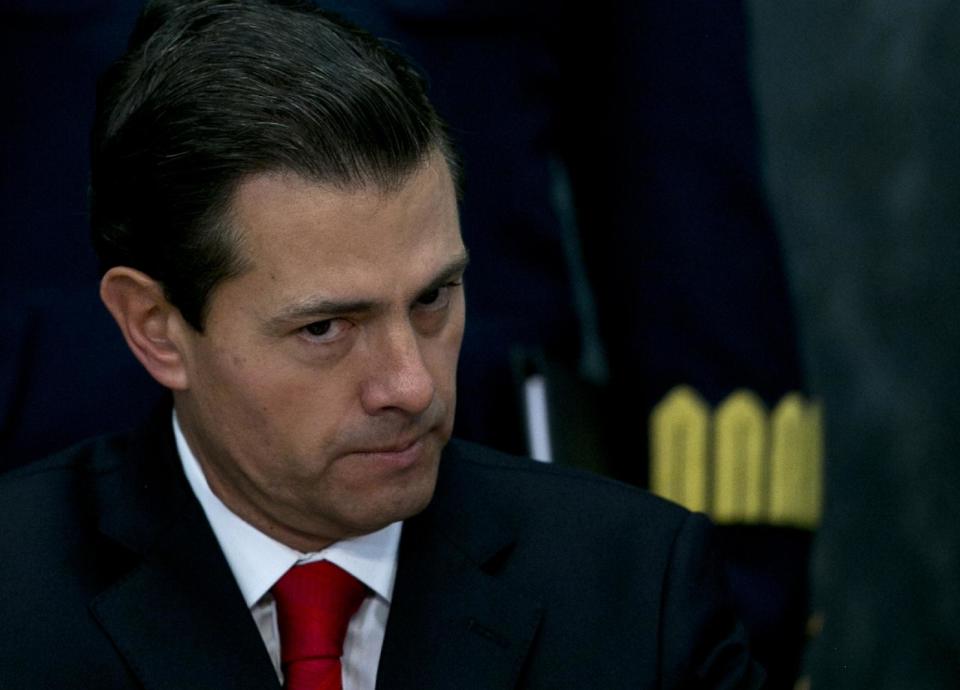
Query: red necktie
x=314, y=605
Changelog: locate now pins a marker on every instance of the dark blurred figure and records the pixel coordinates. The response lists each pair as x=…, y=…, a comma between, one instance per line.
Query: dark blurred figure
x=611, y=172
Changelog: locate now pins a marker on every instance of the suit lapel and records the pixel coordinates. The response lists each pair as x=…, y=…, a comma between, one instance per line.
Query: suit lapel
x=178, y=619
x=177, y=616
x=453, y=623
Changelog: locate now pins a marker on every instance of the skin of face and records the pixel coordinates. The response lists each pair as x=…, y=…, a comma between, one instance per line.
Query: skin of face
x=322, y=390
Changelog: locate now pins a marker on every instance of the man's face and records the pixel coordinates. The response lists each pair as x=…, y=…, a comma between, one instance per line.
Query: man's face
x=322, y=390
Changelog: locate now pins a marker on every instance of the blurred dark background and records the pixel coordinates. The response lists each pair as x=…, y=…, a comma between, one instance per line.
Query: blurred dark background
x=790, y=164
x=860, y=110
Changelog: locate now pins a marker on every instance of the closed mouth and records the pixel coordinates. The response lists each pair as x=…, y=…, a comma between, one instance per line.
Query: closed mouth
x=398, y=447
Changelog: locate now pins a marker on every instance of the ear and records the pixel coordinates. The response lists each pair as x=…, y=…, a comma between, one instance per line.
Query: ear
x=152, y=327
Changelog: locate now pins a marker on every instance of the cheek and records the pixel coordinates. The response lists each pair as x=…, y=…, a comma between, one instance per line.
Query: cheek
x=455, y=336
x=242, y=389
x=444, y=353
x=234, y=374
x=303, y=409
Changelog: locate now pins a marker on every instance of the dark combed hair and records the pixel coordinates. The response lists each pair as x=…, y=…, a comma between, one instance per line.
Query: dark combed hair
x=212, y=91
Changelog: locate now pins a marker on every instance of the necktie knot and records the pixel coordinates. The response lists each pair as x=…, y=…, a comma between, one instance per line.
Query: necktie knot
x=314, y=602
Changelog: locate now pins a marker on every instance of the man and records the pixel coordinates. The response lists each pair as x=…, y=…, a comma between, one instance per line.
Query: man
x=274, y=207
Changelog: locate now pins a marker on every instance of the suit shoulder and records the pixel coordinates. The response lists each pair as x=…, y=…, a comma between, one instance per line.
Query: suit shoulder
x=95, y=455
x=516, y=481
x=58, y=485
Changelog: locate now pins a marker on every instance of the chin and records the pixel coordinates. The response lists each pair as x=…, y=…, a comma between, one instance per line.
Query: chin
x=404, y=501
x=378, y=490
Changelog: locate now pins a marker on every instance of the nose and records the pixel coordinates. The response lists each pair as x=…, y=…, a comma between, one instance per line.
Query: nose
x=398, y=378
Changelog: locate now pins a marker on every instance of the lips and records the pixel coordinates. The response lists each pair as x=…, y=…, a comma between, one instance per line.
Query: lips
x=399, y=455
x=396, y=448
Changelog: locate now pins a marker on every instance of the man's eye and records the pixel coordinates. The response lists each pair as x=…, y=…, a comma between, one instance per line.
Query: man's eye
x=324, y=331
x=436, y=298
x=429, y=298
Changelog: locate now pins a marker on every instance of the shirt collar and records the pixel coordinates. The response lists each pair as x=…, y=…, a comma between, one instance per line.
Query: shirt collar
x=258, y=561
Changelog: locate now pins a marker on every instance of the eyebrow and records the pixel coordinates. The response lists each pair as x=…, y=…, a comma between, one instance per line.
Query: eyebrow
x=322, y=308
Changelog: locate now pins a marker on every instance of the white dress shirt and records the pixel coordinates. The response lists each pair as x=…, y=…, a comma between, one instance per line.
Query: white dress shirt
x=258, y=561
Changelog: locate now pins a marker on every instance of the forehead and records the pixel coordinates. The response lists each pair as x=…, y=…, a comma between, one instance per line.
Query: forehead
x=300, y=237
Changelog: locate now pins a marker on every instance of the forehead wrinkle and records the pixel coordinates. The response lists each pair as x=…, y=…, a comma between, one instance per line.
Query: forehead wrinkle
x=351, y=286
x=367, y=196
x=319, y=306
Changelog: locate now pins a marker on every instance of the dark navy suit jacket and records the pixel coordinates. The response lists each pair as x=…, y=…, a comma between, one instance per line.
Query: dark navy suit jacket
x=516, y=575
